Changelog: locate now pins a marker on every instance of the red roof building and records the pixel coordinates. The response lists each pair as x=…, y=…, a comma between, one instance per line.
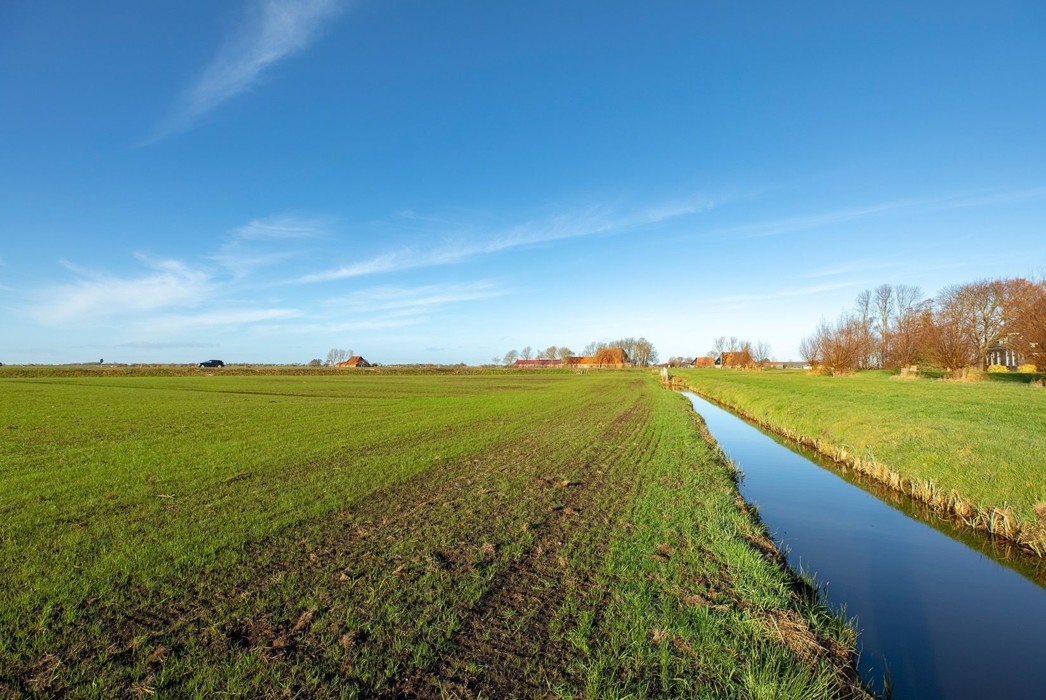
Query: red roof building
x=538, y=363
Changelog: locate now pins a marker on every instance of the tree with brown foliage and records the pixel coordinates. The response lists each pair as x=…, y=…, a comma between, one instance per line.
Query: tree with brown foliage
x=949, y=335
x=1024, y=304
x=838, y=348
x=606, y=357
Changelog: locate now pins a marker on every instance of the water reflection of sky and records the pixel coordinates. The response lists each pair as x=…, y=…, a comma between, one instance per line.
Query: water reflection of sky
x=949, y=621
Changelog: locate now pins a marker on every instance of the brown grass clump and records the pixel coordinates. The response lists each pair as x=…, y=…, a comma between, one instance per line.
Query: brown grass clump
x=964, y=376
x=1040, y=512
x=658, y=636
x=794, y=632
x=907, y=373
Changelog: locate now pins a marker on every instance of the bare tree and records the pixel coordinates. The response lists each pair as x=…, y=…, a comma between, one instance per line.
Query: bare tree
x=317, y=362
x=810, y=350
x=883, y=306
x=643, y=353
x=863, y=318
x=336, y=355
x=527, y=352
x=550, y=352
x=510, y=357
x=761, y=352
x=564, y=353
x=719, y=346
x=985, y=303
x=592, y=348
x=904, y=337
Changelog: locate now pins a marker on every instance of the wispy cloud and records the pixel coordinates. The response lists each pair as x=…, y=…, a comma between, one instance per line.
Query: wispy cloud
x=779, y=227
x=174, y=345
x=223, y=317
x=271, y=31
x=284, y=226
x=261, y=243
x=168, y=284
x=394, y=300
x=585, y=222
x=789, y=293
x=307, y=327
x=848, y=268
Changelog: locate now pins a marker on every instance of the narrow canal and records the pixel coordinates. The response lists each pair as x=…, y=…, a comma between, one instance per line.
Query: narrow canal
x=935, y=615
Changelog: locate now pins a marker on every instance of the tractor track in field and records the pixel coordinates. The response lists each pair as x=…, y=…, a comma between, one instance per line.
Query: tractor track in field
x=454, y=517
x=507, y=647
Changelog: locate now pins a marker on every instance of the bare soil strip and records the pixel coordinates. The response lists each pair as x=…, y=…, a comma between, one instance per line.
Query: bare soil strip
x=507, y=647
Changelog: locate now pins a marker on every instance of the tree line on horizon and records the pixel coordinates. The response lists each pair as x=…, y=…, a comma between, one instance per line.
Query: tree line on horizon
x=744, y=354
x=640, y=351
x=893, y=327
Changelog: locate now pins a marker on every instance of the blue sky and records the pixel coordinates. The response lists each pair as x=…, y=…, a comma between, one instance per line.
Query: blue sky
x=261, y=181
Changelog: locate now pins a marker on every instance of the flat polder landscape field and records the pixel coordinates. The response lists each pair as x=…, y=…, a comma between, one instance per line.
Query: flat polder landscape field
x=971, y=448
x=491, y=534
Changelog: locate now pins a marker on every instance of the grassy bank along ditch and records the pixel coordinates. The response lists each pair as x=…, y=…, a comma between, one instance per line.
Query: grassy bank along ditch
x=972, y=450
x=497, y=535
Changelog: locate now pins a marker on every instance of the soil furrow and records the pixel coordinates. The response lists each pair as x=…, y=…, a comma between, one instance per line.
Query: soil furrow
x=508, y=647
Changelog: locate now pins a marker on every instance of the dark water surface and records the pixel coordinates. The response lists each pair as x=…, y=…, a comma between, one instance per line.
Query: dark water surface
x=941, y=617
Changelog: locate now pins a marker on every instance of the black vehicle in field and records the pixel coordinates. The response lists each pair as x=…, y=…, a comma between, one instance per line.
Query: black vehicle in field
x=212, y=363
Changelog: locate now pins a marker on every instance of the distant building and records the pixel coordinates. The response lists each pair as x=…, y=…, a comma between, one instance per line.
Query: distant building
x=607, y=357
x=999, y=354
x=354, y=361
x=700, y=362
x=539, y=363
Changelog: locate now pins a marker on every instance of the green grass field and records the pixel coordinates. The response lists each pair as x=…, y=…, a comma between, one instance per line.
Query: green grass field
x=975, y=445
x=482, y=535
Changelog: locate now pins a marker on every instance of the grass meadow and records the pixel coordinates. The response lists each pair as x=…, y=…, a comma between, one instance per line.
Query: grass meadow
x=972, y=448
x=378, y=535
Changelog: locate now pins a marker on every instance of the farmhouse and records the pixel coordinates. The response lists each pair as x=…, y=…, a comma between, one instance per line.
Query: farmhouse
x=539, y=363
x=354, y=361
x=703, y=362
x=615, y=358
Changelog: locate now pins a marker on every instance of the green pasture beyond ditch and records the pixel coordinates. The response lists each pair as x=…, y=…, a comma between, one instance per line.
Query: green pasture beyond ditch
x=977, y=444
x=367, y=534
